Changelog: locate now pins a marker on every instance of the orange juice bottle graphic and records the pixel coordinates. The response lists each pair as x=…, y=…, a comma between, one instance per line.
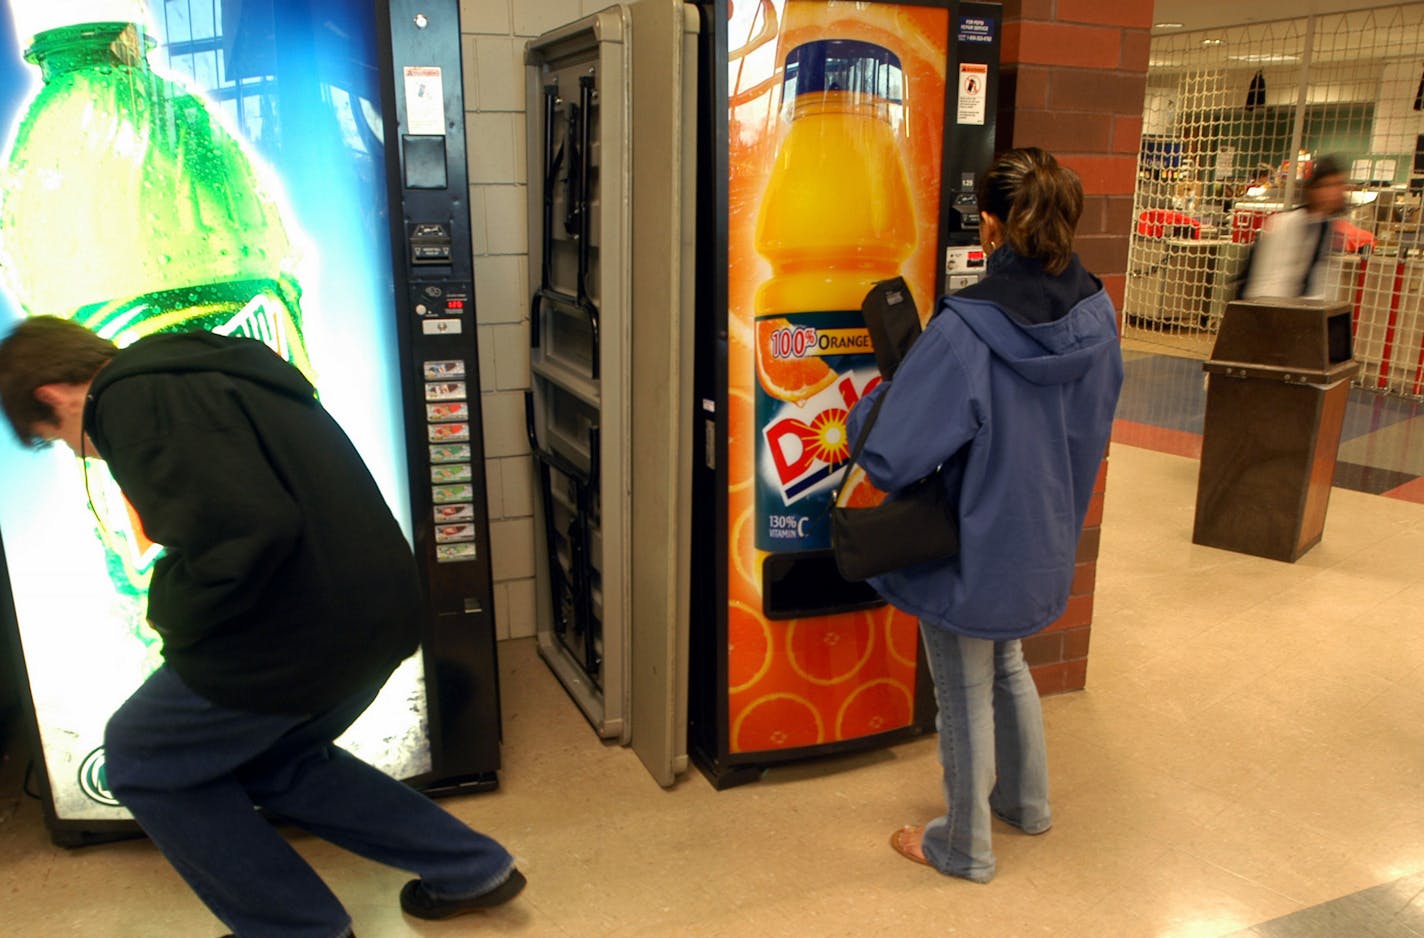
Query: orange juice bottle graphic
x=836, y=218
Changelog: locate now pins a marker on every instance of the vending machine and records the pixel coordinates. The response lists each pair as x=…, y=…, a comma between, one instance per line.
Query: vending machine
x=293, y=173
x=844, y=139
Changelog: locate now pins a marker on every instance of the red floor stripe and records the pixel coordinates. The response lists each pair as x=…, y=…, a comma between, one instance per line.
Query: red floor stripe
x=1412, y=491
x=1146, y=436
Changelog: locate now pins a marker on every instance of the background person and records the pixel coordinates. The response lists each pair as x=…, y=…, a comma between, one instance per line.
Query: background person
x=285, y=596
x=1291, y=257
x=1012, y=388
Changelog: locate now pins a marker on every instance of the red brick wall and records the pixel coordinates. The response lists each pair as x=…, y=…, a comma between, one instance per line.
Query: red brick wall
x=1058, y=656
x=1074, y=73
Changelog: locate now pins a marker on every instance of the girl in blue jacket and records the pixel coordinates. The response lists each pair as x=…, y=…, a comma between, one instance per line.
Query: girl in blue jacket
x=1011, y=388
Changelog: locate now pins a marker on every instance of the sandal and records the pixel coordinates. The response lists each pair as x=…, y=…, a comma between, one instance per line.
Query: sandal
x=902, y=840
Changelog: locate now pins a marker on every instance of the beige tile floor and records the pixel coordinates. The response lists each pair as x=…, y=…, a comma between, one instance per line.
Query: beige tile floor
x=1251, y=743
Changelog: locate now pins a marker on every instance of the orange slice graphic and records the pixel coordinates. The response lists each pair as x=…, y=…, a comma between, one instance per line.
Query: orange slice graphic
x=741, y=439
x=902, y=636
x=830, y=649
x=748, y=647
x=777, y=721
x=858, y=490
x=788, y=379
x=744, y=555
x=876, y=707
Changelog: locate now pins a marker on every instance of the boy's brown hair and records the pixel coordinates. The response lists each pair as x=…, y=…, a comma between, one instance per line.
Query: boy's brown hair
x=45, y=350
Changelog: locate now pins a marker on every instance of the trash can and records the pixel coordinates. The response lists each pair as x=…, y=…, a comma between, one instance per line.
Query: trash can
x=1275, y=405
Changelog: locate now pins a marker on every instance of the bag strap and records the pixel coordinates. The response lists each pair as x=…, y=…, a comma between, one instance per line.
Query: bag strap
x=865, y=430
x=859, y=445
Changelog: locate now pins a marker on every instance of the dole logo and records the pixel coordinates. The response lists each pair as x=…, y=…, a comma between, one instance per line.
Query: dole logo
x=807, y=453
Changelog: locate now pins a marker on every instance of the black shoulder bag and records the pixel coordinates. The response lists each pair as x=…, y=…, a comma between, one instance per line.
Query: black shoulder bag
x=917, y=524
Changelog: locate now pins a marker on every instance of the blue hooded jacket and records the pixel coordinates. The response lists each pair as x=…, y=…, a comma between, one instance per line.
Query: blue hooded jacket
x=1012, y=389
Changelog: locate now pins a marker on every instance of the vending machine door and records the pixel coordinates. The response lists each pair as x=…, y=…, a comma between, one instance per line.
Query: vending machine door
x=665, y=34
x=611, y=280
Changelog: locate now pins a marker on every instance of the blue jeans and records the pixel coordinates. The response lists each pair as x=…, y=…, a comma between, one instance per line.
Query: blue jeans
x=991, y=746
x=191, y=772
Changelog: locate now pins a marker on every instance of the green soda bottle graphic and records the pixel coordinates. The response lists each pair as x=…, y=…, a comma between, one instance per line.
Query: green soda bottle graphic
x=127, y=206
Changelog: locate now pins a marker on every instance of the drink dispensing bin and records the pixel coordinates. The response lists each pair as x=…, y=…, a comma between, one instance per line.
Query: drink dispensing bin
x=1280, y=379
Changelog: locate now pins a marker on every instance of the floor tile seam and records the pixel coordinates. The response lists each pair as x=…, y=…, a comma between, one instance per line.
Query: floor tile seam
x=1359, y=613
x=1158, y=768
x=1089, y=916
x=1250, y=614
x=1250, y=880
x=1307, y=922
x=1366, y=897
x=1409, y=679
x=1406, y=492
x=1303, y=736
x=1404, y=902
x=1320, y=578
x=1145, y=444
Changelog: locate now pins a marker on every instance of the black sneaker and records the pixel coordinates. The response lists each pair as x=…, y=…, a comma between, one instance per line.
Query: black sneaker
x=416, y=901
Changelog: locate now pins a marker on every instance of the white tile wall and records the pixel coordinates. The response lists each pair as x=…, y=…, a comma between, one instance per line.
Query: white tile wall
x=501, y=611
x=517, y=476
x=512, y=549
x=485, y=16
x=494, y=487
x=495, y=32
x=499, y=79
x=506, y=219
x=536, y=16
x=511, y=356
x=469, y=72
x=514, y=612
x=485, y=334
x=505, y=433
x=501, y=289
x=495, y=155
x=479, y=236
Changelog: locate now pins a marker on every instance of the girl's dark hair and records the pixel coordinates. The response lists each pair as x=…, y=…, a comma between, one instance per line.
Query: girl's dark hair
x=1039, y=203
x=45, y=350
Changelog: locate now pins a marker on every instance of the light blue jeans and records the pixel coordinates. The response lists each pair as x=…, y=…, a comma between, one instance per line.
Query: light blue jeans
x=991, y=746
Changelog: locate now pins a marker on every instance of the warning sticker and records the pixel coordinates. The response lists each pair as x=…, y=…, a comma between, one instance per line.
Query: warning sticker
x=973, y=92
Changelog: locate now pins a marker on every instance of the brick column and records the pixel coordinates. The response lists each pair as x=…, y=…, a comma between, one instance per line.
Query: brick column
x=1074, y=73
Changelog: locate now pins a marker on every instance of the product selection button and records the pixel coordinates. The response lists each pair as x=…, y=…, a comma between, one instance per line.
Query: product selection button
x=453, y=472
x=462, y=511
x=448, y=432
x=448, y=494
x=451, y=533
x=445, y=391
x=440, y=413
x=454, y=553
x=454, y=452
x=449, y=368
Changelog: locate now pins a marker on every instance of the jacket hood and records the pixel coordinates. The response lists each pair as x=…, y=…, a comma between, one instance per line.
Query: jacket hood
x=1049, y=329
x=188, y=352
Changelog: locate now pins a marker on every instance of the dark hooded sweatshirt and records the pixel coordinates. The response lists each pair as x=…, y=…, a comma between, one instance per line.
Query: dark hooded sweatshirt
x=285, y=584
x=1012, y=389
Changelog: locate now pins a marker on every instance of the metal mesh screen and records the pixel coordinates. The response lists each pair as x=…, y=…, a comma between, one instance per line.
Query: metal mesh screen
x=1232, y=124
